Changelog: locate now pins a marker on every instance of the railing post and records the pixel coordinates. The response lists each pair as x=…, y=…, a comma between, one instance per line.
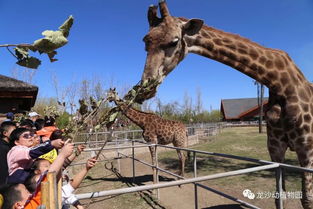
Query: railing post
x=45, y=194
x=195, y=175
x=60, y=193
x=118, y=153
x=51, y=176
x=133, y=155
x=157, y=169
x=279, y=188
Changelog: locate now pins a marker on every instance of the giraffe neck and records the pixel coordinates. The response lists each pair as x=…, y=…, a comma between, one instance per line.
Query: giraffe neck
x=132, y=114
x=270, y=67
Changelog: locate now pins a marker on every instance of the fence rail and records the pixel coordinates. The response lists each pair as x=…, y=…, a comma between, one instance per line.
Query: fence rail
x=122, y=142
x=263, y=165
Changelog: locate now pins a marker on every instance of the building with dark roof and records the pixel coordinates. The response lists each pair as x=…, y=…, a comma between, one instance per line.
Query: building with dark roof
x=16, y=96
x=244, y=109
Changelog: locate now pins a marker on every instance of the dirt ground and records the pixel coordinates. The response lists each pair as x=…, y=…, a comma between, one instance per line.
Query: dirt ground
x=183, y=197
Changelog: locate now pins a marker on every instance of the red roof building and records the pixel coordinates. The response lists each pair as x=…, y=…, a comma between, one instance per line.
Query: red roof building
x=245, y=109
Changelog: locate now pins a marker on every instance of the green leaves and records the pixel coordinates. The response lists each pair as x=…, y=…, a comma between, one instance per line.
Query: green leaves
x=66, y=26
x=48, y=45
x=52, y=41
x=30, y=62
x=113, y=116
x=142, y=91
x=24, y=59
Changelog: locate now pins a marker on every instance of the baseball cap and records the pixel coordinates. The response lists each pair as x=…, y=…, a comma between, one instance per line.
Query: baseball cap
x=33, y=114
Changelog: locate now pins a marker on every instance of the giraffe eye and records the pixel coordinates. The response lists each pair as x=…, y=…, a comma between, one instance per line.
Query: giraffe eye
x=173, y=43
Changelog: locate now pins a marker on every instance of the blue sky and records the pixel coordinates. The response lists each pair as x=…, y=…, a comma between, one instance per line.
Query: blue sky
x=106, y=41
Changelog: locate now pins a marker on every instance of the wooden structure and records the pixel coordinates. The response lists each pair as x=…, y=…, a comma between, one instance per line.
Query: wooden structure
x=244, y=109
x=16, y=96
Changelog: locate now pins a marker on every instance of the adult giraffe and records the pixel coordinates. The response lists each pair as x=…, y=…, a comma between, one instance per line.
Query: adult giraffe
x=289, y=116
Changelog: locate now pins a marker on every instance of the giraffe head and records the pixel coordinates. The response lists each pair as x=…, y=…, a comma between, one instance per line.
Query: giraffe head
x=112, y=95
x=165, y=42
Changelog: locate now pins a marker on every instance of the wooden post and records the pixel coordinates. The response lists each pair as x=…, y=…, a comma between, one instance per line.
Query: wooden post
x=60, y=193
x=45, y=195
x=53, y=190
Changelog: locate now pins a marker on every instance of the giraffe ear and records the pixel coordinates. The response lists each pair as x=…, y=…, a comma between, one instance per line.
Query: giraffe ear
x=192, y=27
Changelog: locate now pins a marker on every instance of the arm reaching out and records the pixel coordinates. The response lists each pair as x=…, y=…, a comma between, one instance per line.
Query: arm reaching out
x=64, y=153
x=81, y=175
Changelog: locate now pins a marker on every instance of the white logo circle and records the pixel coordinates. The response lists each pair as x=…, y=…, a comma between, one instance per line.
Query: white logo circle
x=247, y=193
x=251, y=196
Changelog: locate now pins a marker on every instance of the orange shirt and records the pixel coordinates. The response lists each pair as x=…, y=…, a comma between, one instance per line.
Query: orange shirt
x=46, y=131
x=35, y=201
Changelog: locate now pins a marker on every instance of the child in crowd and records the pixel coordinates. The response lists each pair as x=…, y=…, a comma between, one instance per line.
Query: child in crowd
x=21, y=157
x=17, y=196
x=49, y=127
x=27, y=123
x=6, y=129
x=39, y=123
x=68, y=197
x=58, y=134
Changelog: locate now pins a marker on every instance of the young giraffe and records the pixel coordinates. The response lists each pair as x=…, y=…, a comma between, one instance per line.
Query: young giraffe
x=156, y=130
x=290, y=112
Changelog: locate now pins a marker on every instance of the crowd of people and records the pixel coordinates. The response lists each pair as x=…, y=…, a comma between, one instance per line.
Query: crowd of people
x=28, y=151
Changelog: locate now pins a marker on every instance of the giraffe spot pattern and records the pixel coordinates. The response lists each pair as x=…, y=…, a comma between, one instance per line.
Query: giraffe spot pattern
x=272, y=75
x=217, y=41
x=305, y=107
x=242, y=46
x=289, y=90
x=242, y=51
x=279, y=64
x=262, y=60
x=261, y=70
x=284, y=78
x=310, y=140
x=244, y=60
x=269, y=64
x=228, y=54
x=231, y=47
x=227, y=40
x=269, y=55
x=293, y=99
x=303, y=95
x=307, y=118
x=205, y=34
x=253, y=53
x=208, y=45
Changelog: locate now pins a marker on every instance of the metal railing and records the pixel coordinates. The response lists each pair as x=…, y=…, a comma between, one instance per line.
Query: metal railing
x=264, y=165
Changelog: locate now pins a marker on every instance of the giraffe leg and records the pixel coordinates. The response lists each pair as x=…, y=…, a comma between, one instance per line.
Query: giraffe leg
x=181, y=141
x=277, y=147
x=182, y=159
x=307, y=178
x=152, y=152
